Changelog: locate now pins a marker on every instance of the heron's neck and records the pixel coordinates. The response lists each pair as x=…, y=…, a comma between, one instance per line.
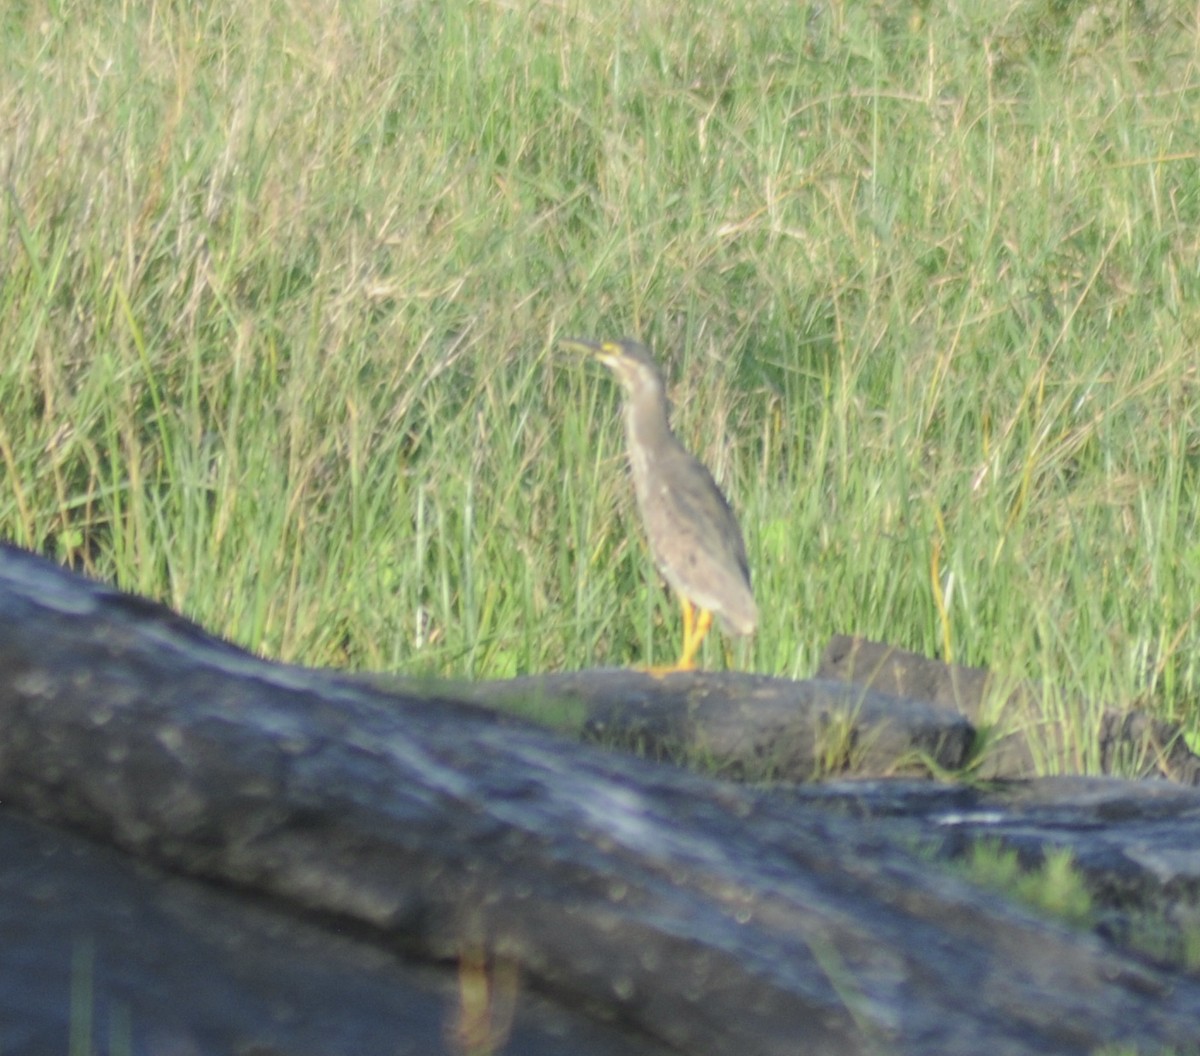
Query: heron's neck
x=646, y=424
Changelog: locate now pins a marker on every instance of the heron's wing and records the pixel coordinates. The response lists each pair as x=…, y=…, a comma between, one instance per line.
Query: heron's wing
x=696, y=541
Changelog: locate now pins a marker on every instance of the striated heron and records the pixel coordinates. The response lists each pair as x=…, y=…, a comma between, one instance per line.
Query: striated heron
x=694, y=537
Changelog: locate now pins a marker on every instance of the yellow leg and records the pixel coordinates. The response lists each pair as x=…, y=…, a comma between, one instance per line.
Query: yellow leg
x=689, y=621
x=696, y=623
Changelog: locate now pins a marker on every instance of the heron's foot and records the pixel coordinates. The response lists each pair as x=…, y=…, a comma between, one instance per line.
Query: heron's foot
x=659, y=670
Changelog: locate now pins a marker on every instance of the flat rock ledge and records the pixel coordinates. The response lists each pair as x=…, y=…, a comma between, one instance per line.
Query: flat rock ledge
x=872, y=710
x=201, y=851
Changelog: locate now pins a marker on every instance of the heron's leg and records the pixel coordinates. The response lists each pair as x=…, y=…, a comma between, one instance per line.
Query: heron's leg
x=689, y=621
x=696, y=623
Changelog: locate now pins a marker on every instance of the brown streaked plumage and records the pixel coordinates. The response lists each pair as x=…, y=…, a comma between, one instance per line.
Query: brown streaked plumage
x=694, y=537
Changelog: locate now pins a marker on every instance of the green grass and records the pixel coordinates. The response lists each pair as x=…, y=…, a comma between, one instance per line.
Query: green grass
x=1169, y=935
x=282, y=284
x=1055, y=887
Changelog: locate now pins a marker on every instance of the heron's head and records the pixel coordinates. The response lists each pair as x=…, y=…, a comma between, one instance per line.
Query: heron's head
x=628, y=359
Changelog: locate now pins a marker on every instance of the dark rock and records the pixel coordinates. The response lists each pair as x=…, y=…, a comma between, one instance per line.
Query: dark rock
x=748, y=727
x=1130, y=743
x=178, y=966
x=704, y=917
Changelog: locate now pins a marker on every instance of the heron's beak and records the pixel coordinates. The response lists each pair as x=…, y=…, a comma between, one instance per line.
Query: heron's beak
x=579, y=344
x=606, y=352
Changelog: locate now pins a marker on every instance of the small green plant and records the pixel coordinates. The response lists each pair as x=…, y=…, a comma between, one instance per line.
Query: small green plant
x=1169, y=937
x=1129, y=1050
x=82, y=1019
x=1055, y=887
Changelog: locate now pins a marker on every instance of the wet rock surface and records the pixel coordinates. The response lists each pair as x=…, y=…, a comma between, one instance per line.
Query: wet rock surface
x=160, y=963
x=421, y=863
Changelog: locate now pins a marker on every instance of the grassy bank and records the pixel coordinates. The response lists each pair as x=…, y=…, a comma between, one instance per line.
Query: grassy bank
x=281, y=287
